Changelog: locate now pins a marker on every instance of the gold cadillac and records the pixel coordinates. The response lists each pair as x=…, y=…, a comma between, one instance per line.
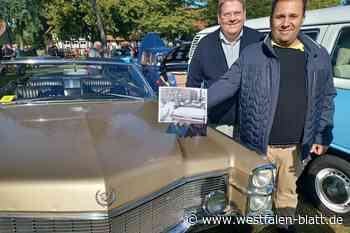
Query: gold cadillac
x=82, y=151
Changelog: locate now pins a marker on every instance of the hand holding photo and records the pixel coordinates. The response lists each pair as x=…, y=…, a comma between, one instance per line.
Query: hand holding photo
x=182, y=104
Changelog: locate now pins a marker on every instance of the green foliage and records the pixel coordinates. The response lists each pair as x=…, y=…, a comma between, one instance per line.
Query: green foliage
x=212, y=12
x=23, y=19
x=134, y=18
x=261, y=8
x=35, y=21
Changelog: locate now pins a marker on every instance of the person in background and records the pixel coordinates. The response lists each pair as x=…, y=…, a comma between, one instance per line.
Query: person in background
x=97, y=50
x=52, y=49
x=286, y=100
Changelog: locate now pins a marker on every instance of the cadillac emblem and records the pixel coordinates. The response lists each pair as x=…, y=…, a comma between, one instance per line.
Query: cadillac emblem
x=105, y=198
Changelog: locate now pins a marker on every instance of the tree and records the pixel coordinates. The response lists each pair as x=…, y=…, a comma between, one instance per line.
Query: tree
x=22, y=18
x=167, y=17
x=90, y=19
x=99, y=21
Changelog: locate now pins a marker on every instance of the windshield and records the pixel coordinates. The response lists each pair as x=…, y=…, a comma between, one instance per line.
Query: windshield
x=22, y=83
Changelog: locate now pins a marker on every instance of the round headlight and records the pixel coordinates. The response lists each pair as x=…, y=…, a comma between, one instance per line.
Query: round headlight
x=262, y=178
x=257, y=203
x=215, y=203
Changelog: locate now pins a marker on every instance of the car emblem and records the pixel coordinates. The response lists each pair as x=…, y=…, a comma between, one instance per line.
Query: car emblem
x=105, y=198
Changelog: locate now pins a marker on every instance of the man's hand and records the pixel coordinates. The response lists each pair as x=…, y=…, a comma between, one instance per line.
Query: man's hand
x=318, y=149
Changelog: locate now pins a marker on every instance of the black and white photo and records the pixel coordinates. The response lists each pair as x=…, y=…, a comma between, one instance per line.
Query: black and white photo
x=181, y=104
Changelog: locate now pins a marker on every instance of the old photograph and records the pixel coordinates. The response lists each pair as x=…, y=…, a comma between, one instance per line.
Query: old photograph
x=181, y=104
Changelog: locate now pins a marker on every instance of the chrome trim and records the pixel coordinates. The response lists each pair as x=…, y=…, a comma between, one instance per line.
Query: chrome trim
x=239, y=188
x=104, y=215
x=181, y=227
x=253, y=191
x=269, y=166
x=126, y=207
x=271, y=187
x=57, y=216
x=57, y=61
x=207, y=198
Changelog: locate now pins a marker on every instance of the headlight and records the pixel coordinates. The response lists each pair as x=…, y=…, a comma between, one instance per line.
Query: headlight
x=257, y=203
x=215, y=203
x=262, y=178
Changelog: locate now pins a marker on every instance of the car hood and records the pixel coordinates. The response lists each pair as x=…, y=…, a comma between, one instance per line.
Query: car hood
x=62, y=156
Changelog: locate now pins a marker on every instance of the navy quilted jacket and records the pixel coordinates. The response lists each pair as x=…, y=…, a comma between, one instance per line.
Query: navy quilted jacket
x=256, y=76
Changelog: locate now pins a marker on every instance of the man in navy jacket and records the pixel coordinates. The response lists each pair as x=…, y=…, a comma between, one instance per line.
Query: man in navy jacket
x=286, y=99
x=218, y=50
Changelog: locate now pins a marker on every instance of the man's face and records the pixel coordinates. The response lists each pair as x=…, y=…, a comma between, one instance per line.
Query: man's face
x=286, y=21
x=98, y=46
x=231, y=19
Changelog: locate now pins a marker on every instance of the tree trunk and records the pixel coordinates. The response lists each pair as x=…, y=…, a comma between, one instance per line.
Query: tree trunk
x=99, y=23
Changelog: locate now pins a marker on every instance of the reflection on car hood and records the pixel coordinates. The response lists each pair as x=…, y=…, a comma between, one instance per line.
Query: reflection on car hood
x=61, y=155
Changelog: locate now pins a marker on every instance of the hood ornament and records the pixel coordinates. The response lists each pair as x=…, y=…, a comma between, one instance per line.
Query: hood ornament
x=105, y=198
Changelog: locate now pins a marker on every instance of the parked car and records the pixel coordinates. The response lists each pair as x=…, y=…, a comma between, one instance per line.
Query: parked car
x=151, y=53
x=150, y=64
x=123, y=54
x=82, y=151
x=174, y=67
x=326, y=181
x=164, y=67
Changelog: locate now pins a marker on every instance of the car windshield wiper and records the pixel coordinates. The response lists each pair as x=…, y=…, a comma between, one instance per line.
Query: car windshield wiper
x=121, y=96
x=50, y=98
x=104, y=92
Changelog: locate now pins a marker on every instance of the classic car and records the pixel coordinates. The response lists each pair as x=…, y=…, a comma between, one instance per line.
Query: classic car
x=82, y=151
x=123, y=54
x=175, y=65
x=150, y=65
x=189, y=114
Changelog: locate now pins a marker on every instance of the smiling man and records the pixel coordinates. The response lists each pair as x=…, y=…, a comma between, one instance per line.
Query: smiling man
x=218, y=51
x=286, y=99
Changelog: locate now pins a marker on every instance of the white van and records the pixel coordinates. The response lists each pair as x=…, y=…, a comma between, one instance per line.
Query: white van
x=326, y=180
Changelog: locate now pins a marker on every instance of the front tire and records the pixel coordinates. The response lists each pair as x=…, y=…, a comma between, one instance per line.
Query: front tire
x=328, y=185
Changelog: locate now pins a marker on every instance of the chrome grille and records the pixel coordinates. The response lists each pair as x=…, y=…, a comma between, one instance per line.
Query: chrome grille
x=158, y=214
x=153, y=215
x=27, y=225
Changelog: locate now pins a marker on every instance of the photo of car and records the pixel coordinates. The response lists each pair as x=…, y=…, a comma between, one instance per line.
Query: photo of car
x=178, y=104
x=82, y=151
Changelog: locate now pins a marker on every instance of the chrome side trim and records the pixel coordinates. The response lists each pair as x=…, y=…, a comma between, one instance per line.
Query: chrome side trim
x=263, y=167
x=57, y=216
x=58, y=61
x=124, y=208
x=239, y=188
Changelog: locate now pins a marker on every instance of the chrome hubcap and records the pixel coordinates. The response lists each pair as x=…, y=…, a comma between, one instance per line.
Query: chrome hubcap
x=333, y=189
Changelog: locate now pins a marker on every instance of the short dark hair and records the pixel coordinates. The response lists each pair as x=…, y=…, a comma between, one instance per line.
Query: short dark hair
x=274, y=3
x=222, y=2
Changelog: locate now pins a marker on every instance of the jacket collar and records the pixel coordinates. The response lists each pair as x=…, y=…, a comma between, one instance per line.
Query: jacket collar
x=312, y=48
x=240, y=37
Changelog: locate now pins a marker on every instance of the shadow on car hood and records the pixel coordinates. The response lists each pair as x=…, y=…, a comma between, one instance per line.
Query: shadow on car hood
x=62, y=156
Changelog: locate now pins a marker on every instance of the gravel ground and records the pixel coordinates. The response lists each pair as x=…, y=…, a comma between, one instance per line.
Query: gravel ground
x=304, y=209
